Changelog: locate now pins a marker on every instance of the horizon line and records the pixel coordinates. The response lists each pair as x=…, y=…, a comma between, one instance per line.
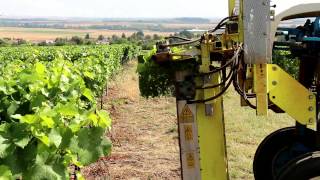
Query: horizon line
x=84, y=17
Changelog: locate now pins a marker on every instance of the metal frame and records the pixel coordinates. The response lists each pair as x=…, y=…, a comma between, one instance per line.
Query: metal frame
x=201, y=125
x=291, y=96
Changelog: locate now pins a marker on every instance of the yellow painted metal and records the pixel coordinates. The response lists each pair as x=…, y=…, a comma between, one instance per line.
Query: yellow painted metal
x=241, y=25
x=213, y=161
x=205, y=55
x=261, y=88
x=210, y=122
x=291, y=96
x=204, y=68
x=231, y=6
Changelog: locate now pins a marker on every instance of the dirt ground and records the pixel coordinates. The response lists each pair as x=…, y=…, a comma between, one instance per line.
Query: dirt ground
x=144, y=134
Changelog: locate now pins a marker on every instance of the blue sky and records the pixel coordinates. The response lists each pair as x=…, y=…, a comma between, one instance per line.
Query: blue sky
x=124, y=8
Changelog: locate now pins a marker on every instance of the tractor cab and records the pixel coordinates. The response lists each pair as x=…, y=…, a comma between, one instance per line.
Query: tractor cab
x=312, y=33
x=303, y=41
x=309, y=32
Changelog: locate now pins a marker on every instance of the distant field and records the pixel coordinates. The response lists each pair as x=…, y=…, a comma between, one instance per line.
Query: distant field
x=40, y=34
x=39, y=29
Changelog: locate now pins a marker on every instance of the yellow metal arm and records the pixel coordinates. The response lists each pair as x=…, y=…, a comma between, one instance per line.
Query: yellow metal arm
x=274, y=84
x=291, y=96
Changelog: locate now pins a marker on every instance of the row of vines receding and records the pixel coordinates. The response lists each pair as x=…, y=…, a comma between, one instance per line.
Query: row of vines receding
x=48, y=108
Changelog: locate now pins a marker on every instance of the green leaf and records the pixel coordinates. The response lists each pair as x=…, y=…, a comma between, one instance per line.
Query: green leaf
x=40, y=68
x=88, y=74
x=5, y=147
x=4, y=127
x=23, y=142
x=47, y=121
x=48, y=165
x=41, y=136
x=66, y=135
x=5, y=173
x=37, y=100
x=88, y=94
x=45, y=139
x=48, y=112
x=79, y=176
x=12, y=108
x=104, y=119
x=69, y=109
x=20, y=160
x=16, y=116
x=15, y=134
x=29, y=119
x=90, y=145
x=93, y=119
x=45, y=172
x=19, y=134
x=27, y=78
x=3, y=87
x=55, y=137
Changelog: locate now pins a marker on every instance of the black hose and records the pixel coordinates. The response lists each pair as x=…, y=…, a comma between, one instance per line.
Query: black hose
x=221, y=23
x=177, y=37
x=246, y=98
x=182, y=43
x=214, y=97
x=225, y=65
x=190, y=41
x=223, y=82
x=240, y=91
x=234, y=73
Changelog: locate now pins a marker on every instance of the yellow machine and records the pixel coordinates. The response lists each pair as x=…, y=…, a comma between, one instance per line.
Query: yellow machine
x=238, y=51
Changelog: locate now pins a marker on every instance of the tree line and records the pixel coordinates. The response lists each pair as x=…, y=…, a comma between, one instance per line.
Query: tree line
x=139, y=38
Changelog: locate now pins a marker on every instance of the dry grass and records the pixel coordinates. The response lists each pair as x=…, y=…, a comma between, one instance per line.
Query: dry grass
x=244, y=132
x=144, y=135
x=145, y=141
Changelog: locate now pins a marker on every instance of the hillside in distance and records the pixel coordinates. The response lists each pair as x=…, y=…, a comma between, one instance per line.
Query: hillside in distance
x=161, y=25
x=40, y=29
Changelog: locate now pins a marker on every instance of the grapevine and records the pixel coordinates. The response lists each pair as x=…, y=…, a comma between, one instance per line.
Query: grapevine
x=48, y=110
x=158, y=80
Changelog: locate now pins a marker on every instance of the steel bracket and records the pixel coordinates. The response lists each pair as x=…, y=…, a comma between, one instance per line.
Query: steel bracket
x=291, y=96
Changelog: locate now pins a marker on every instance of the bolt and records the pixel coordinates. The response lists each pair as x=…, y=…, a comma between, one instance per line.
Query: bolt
x=274, y=83
x=274, y=68
x=310, y=108
x=310, y=97
x=311, y=120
